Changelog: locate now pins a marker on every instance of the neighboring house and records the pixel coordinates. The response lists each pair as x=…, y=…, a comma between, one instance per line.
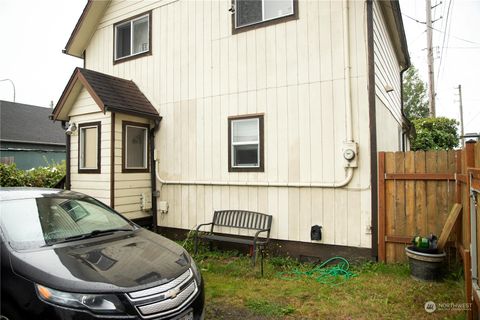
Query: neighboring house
x=271, y=106
x=28, y=137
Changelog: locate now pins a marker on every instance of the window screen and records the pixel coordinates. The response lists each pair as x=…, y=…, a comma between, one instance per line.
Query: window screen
x=89, y=147
x=132, y=37
x=248, y=12
x=135, y=147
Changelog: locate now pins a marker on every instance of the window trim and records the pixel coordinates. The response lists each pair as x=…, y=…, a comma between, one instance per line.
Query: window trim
x=137, y=55
x=261, y=166
x=81, y=126
x=146, y=126
x=264, y=23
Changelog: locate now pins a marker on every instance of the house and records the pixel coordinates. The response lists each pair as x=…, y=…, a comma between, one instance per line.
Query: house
x=27, y=136
x=278, y=107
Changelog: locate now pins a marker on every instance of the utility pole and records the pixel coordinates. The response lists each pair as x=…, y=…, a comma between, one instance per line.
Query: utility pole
x=461, y=114
x=431, y=85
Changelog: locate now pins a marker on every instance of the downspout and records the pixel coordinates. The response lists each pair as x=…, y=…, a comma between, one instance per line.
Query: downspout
x=67, y=157
x=409, y=123
x=348, y=134
x=373, y=130
x=153, y=171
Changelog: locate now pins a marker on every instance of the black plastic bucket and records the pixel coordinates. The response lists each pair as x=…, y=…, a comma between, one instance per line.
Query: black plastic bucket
x=425, y=266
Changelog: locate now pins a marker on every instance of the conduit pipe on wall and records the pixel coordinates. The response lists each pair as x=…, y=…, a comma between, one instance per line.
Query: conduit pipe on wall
x=348, y=134
x=347, y=72
x=338, y=184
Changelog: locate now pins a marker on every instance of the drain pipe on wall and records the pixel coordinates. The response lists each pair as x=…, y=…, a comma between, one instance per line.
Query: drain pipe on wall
x=350, y=149
x=155, y=192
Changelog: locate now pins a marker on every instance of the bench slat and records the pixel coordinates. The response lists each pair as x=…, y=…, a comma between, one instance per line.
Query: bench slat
x=230, y=239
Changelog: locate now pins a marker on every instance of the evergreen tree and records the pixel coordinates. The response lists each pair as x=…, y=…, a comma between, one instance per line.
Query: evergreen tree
x=415, y=102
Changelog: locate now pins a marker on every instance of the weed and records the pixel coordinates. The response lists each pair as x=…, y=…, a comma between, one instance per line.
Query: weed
x=267, y=308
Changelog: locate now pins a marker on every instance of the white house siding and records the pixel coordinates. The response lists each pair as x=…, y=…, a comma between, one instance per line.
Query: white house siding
x=387, y=74
x=96, y=185
x=128, y=186
x=387, y=123
x=293, y=72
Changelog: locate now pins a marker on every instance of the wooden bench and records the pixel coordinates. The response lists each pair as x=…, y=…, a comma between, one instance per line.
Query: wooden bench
x=239, y=219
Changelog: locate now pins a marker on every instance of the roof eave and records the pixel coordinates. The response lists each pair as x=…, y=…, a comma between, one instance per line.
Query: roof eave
x=134, y=113
x=393, y=16
x=85, y=28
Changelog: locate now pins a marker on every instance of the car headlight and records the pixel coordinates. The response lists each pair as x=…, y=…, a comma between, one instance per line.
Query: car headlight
x=196, y=271
x=100, y=303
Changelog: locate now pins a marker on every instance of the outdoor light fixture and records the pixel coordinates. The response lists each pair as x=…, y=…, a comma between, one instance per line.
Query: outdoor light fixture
x=72, y=127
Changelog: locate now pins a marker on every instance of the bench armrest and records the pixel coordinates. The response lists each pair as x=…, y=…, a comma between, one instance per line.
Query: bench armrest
x=201, y=225
x=259, y=231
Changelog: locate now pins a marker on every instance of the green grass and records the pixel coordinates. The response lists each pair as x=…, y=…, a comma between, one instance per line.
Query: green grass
x=235, y=290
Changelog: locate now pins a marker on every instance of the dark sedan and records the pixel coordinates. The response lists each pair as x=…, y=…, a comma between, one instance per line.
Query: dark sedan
x=65, y=255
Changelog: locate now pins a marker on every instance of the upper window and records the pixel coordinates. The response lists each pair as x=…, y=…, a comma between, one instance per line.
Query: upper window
x=89, y=147
x=246, y=143
x=132, y=37
x=249, y=12
x=135, y=147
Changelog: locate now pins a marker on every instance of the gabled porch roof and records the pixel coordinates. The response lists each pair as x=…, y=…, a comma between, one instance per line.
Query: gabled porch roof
x=110, y=93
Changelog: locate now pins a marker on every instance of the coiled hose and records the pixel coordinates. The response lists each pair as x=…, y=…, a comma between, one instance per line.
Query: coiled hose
x=333, y=275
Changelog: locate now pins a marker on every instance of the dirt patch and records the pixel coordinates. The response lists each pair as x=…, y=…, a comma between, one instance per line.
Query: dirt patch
x=229, y=312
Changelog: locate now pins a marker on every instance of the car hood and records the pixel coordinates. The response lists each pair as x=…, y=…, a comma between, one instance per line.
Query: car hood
x=119, y=262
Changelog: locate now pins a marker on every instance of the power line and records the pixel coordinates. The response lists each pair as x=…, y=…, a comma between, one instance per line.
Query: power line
x=433, y=28
x=444, y=38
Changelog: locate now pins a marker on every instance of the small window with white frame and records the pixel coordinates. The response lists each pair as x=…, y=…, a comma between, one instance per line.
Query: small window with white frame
x=251, y=12
x=89, y=147
x=246, y=143
x=135, y=147
x=132, y=37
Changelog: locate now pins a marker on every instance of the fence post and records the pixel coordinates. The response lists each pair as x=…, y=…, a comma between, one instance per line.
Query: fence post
x=381, y=207
x=467, y=263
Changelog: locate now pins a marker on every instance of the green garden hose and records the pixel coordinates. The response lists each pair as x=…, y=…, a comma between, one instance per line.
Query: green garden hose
x=333, y=275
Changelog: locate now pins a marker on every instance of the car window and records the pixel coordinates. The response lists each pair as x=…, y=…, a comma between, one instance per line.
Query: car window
x=32, y=223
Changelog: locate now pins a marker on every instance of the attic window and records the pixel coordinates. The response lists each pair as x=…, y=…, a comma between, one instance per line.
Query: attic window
x=250, y=12
x=132, y=37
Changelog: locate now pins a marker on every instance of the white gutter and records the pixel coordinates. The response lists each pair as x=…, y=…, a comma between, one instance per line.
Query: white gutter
x=349, y=135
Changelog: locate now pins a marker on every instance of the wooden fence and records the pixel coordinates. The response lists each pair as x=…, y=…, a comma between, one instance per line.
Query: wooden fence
x=417, y=190
x=416, y=193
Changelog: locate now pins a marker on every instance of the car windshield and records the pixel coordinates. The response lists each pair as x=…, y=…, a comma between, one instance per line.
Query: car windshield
x=37, y=222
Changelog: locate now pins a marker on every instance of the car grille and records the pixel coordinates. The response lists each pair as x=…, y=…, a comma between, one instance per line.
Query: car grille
x=167, y=299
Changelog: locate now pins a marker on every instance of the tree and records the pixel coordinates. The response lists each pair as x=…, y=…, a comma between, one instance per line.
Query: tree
x=435, y=134
x=415, y=102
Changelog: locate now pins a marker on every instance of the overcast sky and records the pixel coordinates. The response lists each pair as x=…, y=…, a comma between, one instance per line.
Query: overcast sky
x=34, y=32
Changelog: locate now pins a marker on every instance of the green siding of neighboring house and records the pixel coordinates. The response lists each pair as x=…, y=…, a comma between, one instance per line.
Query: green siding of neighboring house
x=28, y=156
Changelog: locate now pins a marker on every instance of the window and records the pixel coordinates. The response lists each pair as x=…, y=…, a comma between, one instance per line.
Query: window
x=89, y=147
x=135, y=147
x=245, y=135
x=132, y=37
x=250, y=12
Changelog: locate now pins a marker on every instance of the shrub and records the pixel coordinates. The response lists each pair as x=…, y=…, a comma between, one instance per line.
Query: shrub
x=42, y=177
x=435, y=134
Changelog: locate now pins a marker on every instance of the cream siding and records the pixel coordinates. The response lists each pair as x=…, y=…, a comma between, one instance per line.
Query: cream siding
x=387, y=73
x=96, y=185
x=128, y=186
x=293, y=73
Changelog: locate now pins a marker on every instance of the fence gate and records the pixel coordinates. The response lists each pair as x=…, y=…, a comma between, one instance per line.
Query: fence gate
x=416, y=191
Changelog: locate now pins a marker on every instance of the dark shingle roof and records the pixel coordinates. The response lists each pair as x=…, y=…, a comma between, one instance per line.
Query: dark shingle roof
x=110, y=93
x=26, y=123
